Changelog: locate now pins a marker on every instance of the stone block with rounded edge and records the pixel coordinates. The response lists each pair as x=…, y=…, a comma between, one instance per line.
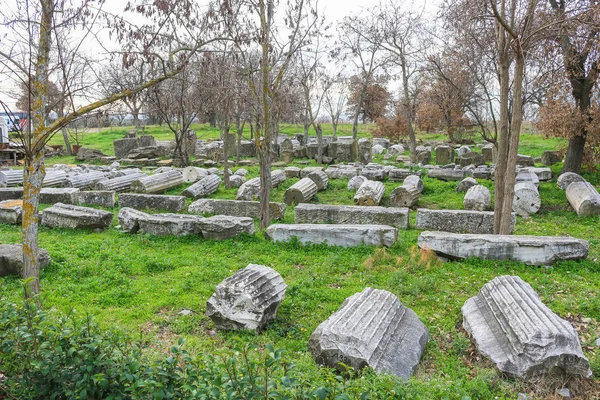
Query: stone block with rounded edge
x=75, y=217
x=220, y=227
x=459, y=221
x=516, y=331
x=152, y=202
x=334, y=234
x=11, y=212
x=372, y=328
x=584, y=198
x=11, y=259
x=248, y=299
x=169, y=224
x=566, y=178
x=531, y=250
x=337, y=214
x=59, y=195
x=236, y=208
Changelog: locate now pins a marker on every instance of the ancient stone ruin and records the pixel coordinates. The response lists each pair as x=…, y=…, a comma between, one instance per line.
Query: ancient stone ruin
x=249, y=299
x=516, y=331
x=372, y=328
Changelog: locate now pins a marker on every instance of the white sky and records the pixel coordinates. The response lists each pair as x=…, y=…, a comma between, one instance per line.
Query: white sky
x=333, y=10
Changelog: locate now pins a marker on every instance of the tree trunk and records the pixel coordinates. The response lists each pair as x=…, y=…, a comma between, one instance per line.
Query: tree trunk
x=408, y=114
x=226, y=159
x=576, y=147
x=264, y=158
x=361, y=98
x=67, y=143
x=33, y=176
x=319, y=143
x=334, y=129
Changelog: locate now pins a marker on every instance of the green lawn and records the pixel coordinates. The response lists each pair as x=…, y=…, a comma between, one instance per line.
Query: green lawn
x=139, y=283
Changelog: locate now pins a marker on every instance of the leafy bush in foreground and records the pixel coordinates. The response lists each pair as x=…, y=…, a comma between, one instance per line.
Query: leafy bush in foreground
x=72, y=358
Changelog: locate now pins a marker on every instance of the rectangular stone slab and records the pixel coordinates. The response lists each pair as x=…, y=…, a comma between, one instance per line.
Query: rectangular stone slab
x=336, y=214
x=334, y=235
x=152, y=202
x=459, y=221
x=11, y=193
x=104, y=198
x=512, y=327
x=76, y=217
x=59, y=195
x=531, y=250
x=236, y=208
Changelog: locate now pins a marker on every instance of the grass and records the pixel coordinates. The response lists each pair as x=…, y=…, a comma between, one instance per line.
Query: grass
x=140, y=283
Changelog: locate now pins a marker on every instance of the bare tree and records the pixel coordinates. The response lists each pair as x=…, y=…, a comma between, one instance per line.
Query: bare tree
x=335, y=99
x=35, y=46
x=360, y=41
x=402, y=35
x=267, y=75
x=513, y=22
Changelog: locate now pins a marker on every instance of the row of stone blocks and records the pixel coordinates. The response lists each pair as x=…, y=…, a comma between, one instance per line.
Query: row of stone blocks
x=507, y=320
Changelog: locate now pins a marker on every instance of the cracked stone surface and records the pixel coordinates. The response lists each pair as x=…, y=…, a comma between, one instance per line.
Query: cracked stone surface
x=459, y=221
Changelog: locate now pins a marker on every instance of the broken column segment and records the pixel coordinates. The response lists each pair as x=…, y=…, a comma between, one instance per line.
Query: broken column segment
x=158, y=182
x=204, y=187
x=371, y=328
x=300, y=192
x=369, y=193
x=513, y=328
x=531, y=250
x=584, y=198
x=248, y=299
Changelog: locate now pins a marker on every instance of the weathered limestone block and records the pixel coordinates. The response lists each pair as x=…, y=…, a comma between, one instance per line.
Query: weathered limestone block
x=235, y=181
x=383, y=142
x=462, y=150
x=414, y=180
x=466, y=184
x=88, y=180
x=481, y=172
x=250, y=190
x=531, y=250
x=488, y=153
x=336, y=214
x=543, y=174
x=549, y=158
x=526, y=200
x=346, y=149
x=565, y=179
x=152, y=202
x=121, y=183
x=355, y=182
x=459, y=221
x=399, y=174
x=341, y=171
x=447, y=174
x=424, y=157
x=308, y=170
x=377, y=149
x=236, y=208
x=169, y=224
x=222, y=227
x=334, y=235
x=365, y=146
x=129, y=219
x=158, y=182
x=524, y=160
x=241, y=172
x=369, y=193
x=12, y=193
x=204, y=187
x=404, y=196
x=584, y=198
x=292, y=172
x=373, y=174
x=396, y=150
x=59, y=195
x=249, y=299
x=300, y=192
x=103, y=198
x=515, y=330
x=193, y=174
x=477, y=198
x=75, y=217
x=320, y=179
x=124, y=146
x=444, y=155
x=11, y=212
x=527, y=175
x=11, y=259
x=371, y=328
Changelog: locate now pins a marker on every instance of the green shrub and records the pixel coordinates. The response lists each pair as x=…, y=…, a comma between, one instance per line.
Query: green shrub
x=67, y=357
